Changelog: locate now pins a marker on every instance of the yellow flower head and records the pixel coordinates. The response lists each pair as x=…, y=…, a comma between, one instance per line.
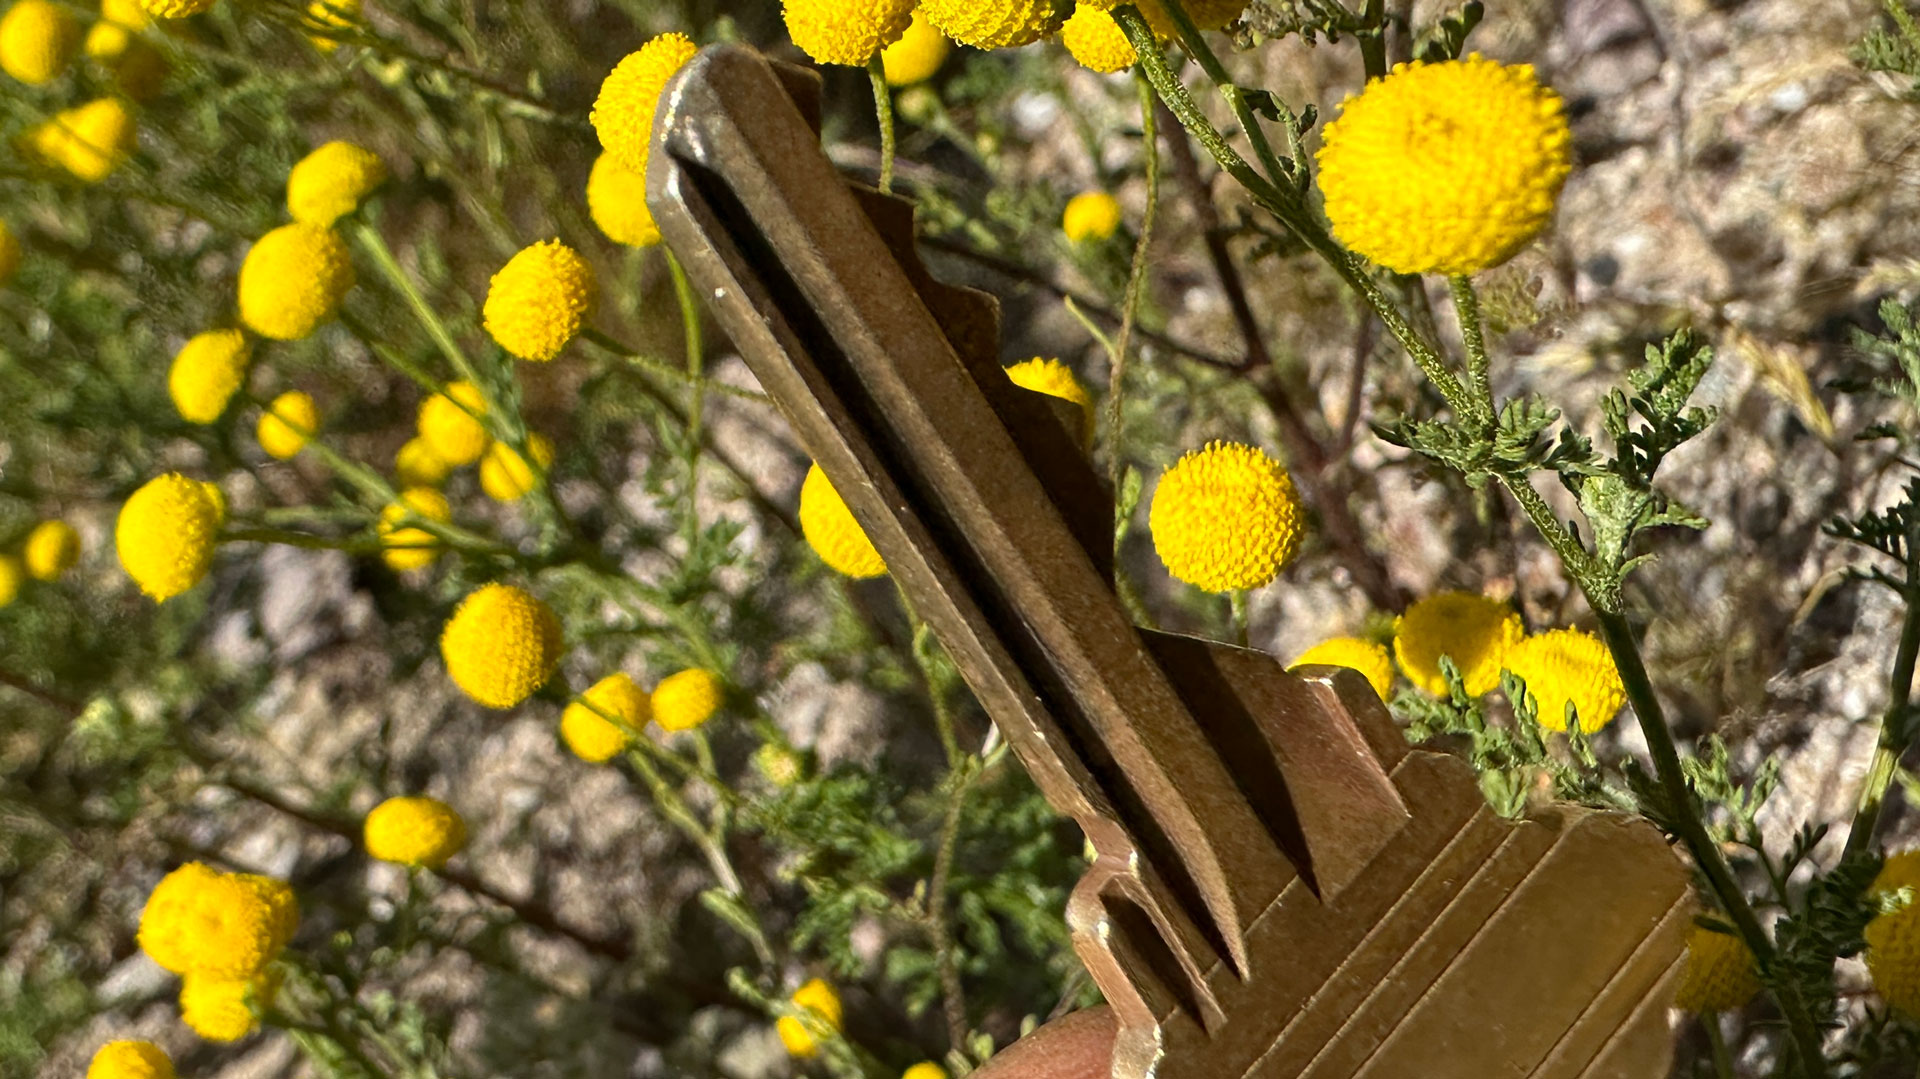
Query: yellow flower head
x=225, y=1009
x=37, y=41
x=334, y=15
x=585, y=726
x=13, y=576
x=288, y=424
x=1226, y=518
x=539, y=300
x=1476, y=631
x=1091, y=216
x=1445, y=168
x=167, y=531
x=686, y=699
x=501, y=645
x=1097, y=42
x=1370, y=658
x=207, y=371
x=9, y=254
x=331, y=182
x=1893, y=957
x=450, y=425
x=993, y=24
x=89, y=140
x=219, y=925
x=1901, y=870
x=1719, y=976
x=51, y=550
x=926, y=1069
x=832, y=532
x=820, y=999
x=846, y=32
x=293, y=280
x=623, y=113
x=1567, y=666
x=175, y=9
x=617, y=200
x=130, y=1060
x=412, y=547
x=127, y=14
x=1056, y=379
x=506, y=476
x=416, y=465
x=917, y=56
x=415, y=832
x=1206, y=14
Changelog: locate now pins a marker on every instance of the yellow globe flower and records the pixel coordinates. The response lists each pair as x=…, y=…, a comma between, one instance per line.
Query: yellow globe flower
x=13, y=577
x=223, y=1009
x=130, y=1060
x=617, y=200
x=926, y=1069
x=201, y=921
x=166, y=534
x=1445, y=168
x=288, y=424
x=590, y=734
x=505, y=475
x=846, y=32
x=175, y=9
x=416, y=465
x=1370, y=658
x=1719, y=975
x=831, y=531
x=917, y=56
x=1097, y=42
x=1091, y=216
x=332, y=181
x=1475, y=631
x=1567, y=666
x=1056, y=379
x=501, y=645
x=686, y=699
x=38, y=39
x=51, y=549
x=1206, y=14
x=539, y=300
x=1226, y=518
x=820, y=999
x=207, y=371
x=1893, y=957
x=412, y=547
x=293, y=280
x=333, y=15
x=421, y=833
x=9, y=254
x=623, y=113
x=1900, y=870
x=126, y=14
x=450, y=424
x=992, y=24
x=88, y=141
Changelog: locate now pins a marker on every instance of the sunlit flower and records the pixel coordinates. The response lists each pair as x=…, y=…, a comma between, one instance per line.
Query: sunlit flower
x=506, y=476
x=926, y=1069
x=917, y=56
x=288, y=424
x=38, y=39
x=846, y=32
x=201, y=921
x=1719, y=976
x=623, y=113
x=293, y=279
x=332, y=182
x=167, y=532
x=1091, y=216
x=993, y=24
x=831, y=531
x=410, y=546
x=617, y=201
x=686, y=699
x=130, y=1060
x=224, y=1009
x=450, y=425
x=1568, y=667
x=415, y=832
x=820, y=999
x=1370, y=658
x=1056, y=379
x=51, y=549
x=1226, y=518
x=539, y=300
x=1097, y=42
x=1475, y=631
x=501, y=645
x=88, y=141
x=416, y=465
x=207, y=371
x=590, y=734
x=175, y=9
x=333, y=15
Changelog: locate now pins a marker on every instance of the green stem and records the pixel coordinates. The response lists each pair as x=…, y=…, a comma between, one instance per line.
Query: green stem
x=952, y=993
x=1895, y=724
x=654, y=366
x=676, y=810
x=1136, y=288
x=1373, y=40
x=883, y=111
x=1466, y=303
x=1722, y=1058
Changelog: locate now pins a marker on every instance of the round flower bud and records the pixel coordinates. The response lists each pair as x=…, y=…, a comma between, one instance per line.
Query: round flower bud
x=224, y=1009
x=88, y=141
x=332, y=181
x=130, y=1060
x=421, y=833
x=501, y=645
x=831, y=531
x=416, y=465
x=450, y=424
x=1719, y=975
x=782, y=766
x=9, y=254
x=685, y=700
x=166, y=534
x=505, y=475
x=1091, y=216
x=1445, y=168
x=207, y=371
x=623, y=113
x=218, y=925
x=917, y=56
x=1568, y=667
x=539, y=300
x=1370, y=658
x=287, y=425
x=1094, y=39
x=818, y=998
x=175, y=9
x=51, y=549
x=846, y=32
x=926, y=1069
x=1475, y=631
x=1056, y=379
x=617, y=200
x=1226, y=518
x=13, y=576
x=412, y=547
x=589, y=732
x=992, y=24
x=38, y=39
x=293, y=280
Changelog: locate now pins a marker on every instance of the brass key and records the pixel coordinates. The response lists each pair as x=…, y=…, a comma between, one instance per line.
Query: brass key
x=1282, y=888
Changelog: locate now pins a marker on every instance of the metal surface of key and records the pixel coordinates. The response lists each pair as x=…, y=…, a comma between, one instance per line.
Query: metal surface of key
x=1282, y=888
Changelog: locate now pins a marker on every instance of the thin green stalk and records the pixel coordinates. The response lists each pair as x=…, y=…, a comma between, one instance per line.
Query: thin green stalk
x=695, y=346
x=1895, y=724
x=1373, y=41
x=664, y=369
x=952, y=993
x=676, y=810
x=1466, y=304
x=1722, y=1058
x=883, y=111
x=1136, y=288
x=288, y=538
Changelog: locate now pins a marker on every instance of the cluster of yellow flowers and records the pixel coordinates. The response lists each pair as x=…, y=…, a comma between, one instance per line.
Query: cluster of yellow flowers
x=605, y=720
x=130, y=1060
x=49, y=550
x=420, y=833
x=220, y=932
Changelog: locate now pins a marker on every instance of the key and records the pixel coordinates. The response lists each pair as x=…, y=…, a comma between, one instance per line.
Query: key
x=1282, y=887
